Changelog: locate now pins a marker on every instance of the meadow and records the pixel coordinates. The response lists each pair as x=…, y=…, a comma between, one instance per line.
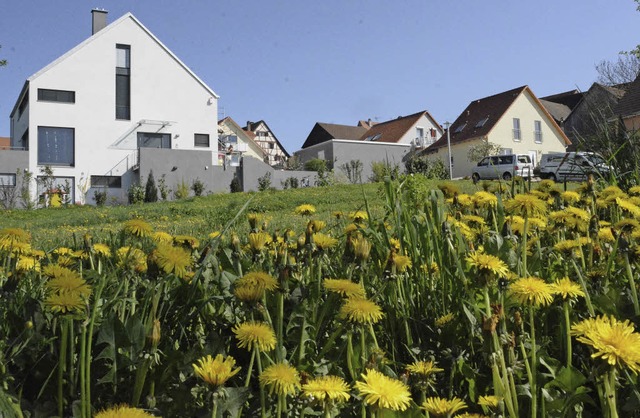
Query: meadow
x=408, y=298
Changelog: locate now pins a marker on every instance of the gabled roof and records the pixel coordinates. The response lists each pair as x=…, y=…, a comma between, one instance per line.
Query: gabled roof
x=393, y=130
x=569, y=98
x=559, y=111
x=323, y=132
x=102, y=32
x=629, y=104
x=249, y=136
x=251, y=126
x=481, y=115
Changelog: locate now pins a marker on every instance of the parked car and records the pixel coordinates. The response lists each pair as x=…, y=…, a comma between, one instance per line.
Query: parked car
x=503, y=166
x=575, y=166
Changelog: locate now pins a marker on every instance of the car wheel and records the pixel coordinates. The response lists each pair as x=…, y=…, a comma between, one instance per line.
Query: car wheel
x=506, y=176
x=475, y=177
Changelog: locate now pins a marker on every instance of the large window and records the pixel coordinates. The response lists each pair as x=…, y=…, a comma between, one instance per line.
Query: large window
x=62, y=96
x=537, y=131
x=154, y=140
x=516, y=129
x=106, y=181
x=201, y=140
x=123, y=82
x=56, y=145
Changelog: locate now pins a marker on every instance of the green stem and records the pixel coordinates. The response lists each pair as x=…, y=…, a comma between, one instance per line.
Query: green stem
x=534, y=366
x=214, y=410
x=567, y=329
x=279, y=407
x=280, y=327
x=250, y=368
x=610, y=392
x=525, y=231
x=587, y=298
x=632, y=284
x=62, y=364
x=349, y=356
x=263, y=413
x=83, y=364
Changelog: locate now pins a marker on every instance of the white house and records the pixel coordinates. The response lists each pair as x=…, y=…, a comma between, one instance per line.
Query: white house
x=235, y=143
x=88, y=114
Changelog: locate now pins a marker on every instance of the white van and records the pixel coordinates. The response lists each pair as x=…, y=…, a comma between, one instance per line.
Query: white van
x=575, y=166
x=503, y=167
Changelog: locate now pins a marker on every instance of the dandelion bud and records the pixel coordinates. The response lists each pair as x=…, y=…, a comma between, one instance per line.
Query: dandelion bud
x=154, y=336
x=28, y=324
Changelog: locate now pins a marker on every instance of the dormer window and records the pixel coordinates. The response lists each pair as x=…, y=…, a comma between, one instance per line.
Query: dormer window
x=460, y=128
x=481, y=122
x=373, y=137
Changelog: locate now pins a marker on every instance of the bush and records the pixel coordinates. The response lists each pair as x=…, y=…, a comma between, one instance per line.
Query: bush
x=135, y=194
x=316, y=165
x=264, y=182
x=198, y=187
x=150, y=189
x=382, y=169
x=162, y=186
x=181, y=191
x=353, y=170
x=235, y=186
x=291, y=183
x=431, y=169
x=100, y=196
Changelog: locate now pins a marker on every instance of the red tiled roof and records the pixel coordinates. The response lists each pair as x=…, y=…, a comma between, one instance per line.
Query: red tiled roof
x=629, y=104
x=392, y=130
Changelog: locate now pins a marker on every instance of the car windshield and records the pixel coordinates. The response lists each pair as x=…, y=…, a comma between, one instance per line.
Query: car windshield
x=596, y=160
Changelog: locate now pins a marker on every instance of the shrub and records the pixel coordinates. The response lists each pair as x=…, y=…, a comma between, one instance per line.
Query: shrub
x=291, y=183
x=100, y=196
x=316, y=165
x=431, y=169
x=353, y=170
x=150, y=189
x=235, y=186
x=181, y=191
x=135, y=194
x=382, y=169
x=162, y=187
x=198, y=187
x=264, y=182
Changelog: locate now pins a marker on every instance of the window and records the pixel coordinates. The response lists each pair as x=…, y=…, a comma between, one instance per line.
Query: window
x=62, y=96
x=154, y=140
x=516, y=129
x=7, y=180
x=261, y=134
x=481, y=122
x=201, y=140
x=123, y=82
x=23, y=143
x=460, y=128
x=537, y=131
x=114, y=182
x=56, y=145
x=419, y=132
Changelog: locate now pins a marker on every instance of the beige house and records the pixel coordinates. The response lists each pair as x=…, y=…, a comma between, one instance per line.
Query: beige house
x=514, y=119
x=235, y=143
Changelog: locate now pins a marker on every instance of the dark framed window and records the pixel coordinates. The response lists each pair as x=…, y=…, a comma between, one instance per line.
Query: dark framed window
x=7, y=180
x=114, y=182
x=123, y=82
x=154, y=140
x=62, y=96
x=201, y=140
x=23, y=104
x=56, y=146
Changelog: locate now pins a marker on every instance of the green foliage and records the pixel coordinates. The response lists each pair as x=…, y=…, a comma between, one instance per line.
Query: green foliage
x=264, y=182
x=291, y=183
x=431, y=169
x=163, y=188
x=25, y=178
x=235, y=186
x=198, y=187
x=136, y=194
x=150, y=189
x=316, y=164
x=100, y=196
x=383, y=169
x=181, y=191
x=483, y=149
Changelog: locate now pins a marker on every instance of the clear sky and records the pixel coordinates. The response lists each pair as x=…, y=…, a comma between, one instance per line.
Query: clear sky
x=293, y=63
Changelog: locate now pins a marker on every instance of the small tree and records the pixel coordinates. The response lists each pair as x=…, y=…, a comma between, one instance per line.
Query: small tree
x=353, y=170
x=198, y=187
x=150, y=189
x=481, y=150
x=264, y=182
x=162, y=186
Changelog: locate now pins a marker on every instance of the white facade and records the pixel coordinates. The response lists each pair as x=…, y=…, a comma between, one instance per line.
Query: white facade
x=268, y=142
x=244, y=146
x=165, y=99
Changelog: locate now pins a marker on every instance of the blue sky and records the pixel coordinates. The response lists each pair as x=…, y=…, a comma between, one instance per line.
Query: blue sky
x=293, y=63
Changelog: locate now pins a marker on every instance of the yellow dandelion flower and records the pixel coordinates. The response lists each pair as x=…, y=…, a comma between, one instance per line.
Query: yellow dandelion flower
x=394, y=243
x=567, y=289
x=254, y=219
x=359, y=216
x=606, y=235
x=25, y=263
x=215, y=234
x=255, y=334
x=133, y=258
x=327, y=388
x=487, y=266
x=424, y=368
x=470, y=415
x=162, y=237
x=9, y=236
x=123, y=411
x=305, y=210
x=19, y=248
x=337, y=214
x=251, y=287
x=186, y=241
x=316, y=225
x=344, y=287
x=431, y=267
x=629, y=207
x=484, y=199
x=526, y=205
x=259, y=240
x=613, y=341
x=172, y=259
x=351, y=228
x=401, y=262
x=442, y=407
x=383, y=391
x=532, y=291
x=70, y=282
x=361, y=311
x=65, y=302
x=102, y=250
x=137, y=228
x=635, y=190
x=627, y=225
x=361, y=248
x=465, y=200
x=570, y=196
x=323, y=241
x=215, y=371
x=444, y=320
x=489, y=401
x=281, y=379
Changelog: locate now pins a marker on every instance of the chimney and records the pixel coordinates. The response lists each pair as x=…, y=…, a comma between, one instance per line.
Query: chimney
x=98, y=20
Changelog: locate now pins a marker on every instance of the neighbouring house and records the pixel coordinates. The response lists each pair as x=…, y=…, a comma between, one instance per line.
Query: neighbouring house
x=5, y=142
x=515, y=120
x=234, y=143
x=390, y=141
x=587, y=117
x=628, y=107
x=110, y=110
x=276, y=154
